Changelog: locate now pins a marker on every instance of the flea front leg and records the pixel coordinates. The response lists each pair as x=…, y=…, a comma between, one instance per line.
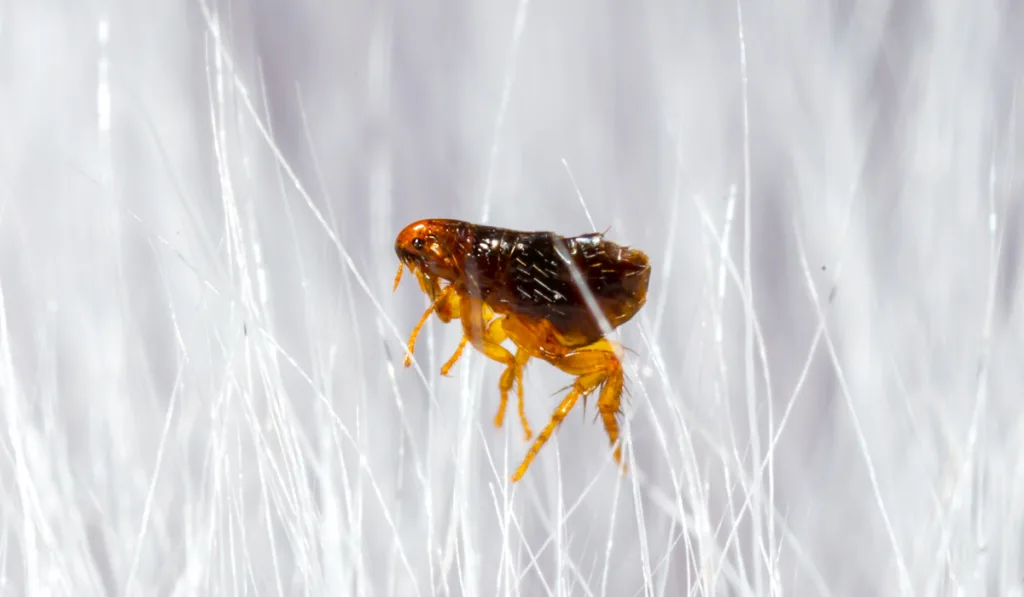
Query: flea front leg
x=444, y=305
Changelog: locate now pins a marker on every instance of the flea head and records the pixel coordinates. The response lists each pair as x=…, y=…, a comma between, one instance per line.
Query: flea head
x=426, y=248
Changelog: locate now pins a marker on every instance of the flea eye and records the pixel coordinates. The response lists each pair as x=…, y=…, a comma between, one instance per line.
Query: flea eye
x=417, y=243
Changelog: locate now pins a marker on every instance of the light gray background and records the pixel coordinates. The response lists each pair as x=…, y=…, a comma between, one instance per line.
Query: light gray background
x=201, y=389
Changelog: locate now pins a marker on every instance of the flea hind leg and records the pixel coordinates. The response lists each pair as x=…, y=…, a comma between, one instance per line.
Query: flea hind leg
x=596, y=366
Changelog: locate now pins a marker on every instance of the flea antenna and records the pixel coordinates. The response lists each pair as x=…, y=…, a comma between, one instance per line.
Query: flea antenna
x=398, y=276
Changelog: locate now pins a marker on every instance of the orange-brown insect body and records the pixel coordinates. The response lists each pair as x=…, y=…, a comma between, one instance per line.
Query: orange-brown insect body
x=507, y=284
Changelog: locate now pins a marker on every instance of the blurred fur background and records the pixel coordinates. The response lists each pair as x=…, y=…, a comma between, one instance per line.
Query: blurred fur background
x=201, y=389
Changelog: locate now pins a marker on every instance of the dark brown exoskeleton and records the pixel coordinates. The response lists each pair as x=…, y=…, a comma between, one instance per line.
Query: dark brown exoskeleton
x=527, y=287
